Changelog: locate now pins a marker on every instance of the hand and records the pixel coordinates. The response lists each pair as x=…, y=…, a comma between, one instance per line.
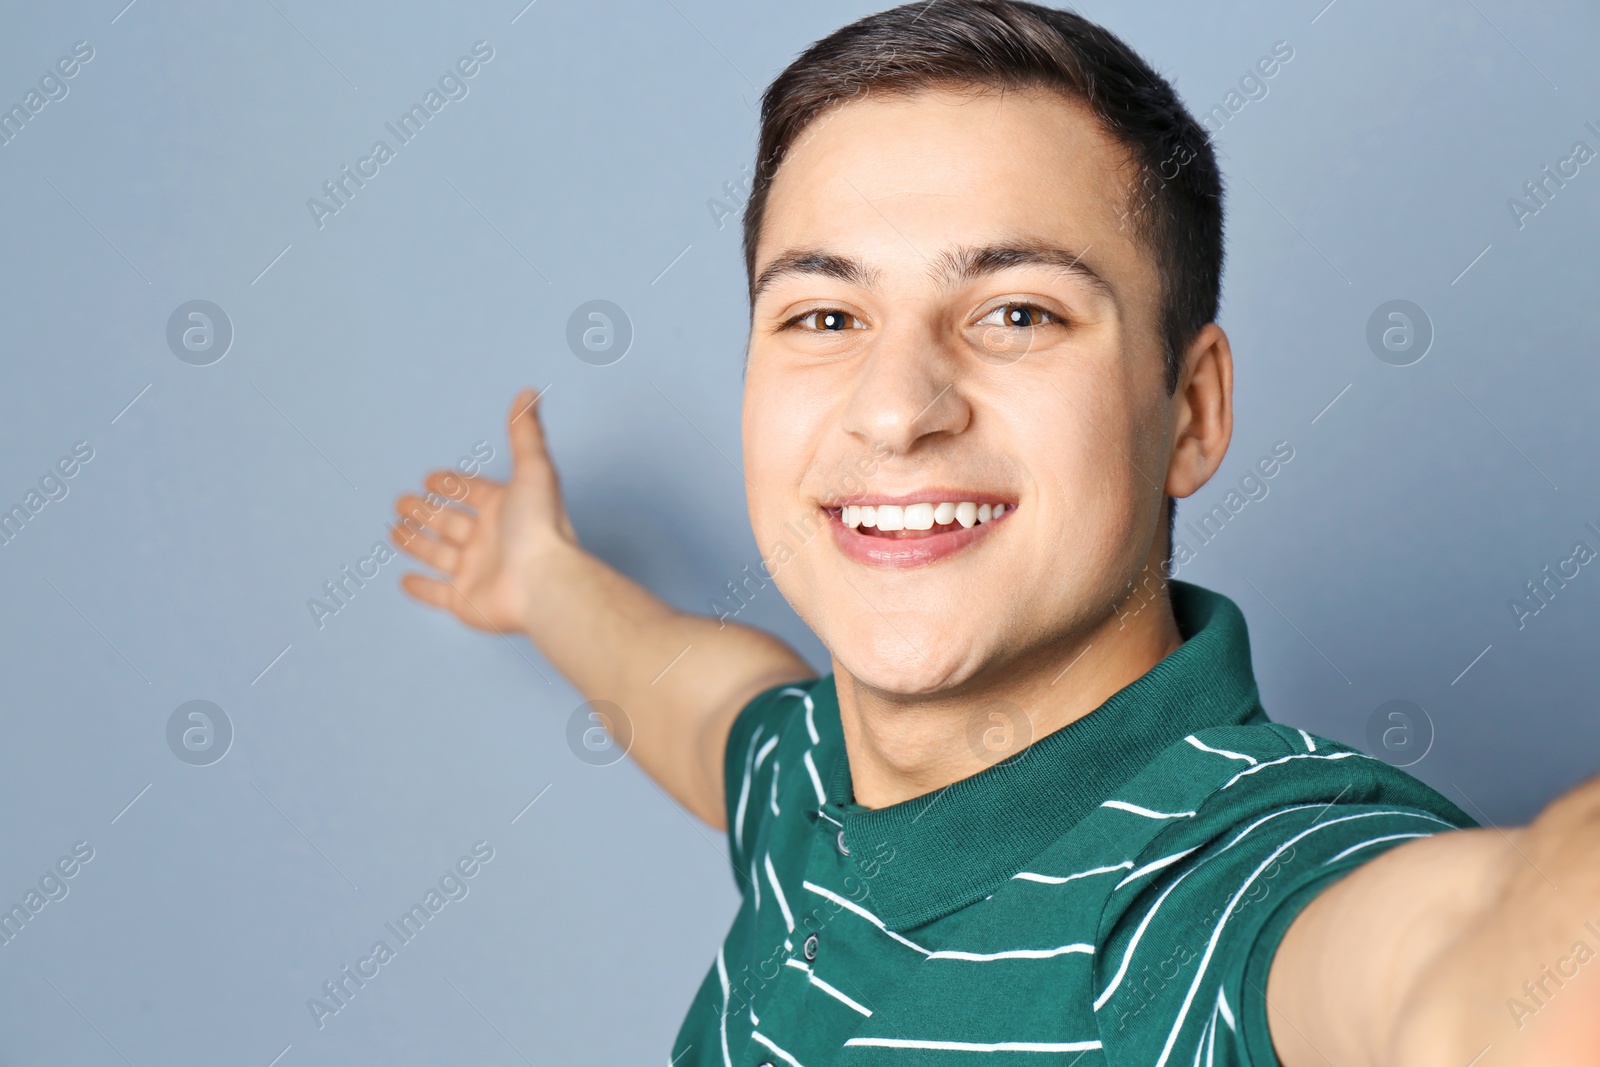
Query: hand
x=491, y=552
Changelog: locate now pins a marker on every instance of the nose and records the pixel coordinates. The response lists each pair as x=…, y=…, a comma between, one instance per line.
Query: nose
x=907, y=390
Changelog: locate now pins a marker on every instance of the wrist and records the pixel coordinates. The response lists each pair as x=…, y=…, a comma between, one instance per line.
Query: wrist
x=556, y=573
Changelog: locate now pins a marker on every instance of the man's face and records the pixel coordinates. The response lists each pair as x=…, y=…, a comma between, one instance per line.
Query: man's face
x=966, y=318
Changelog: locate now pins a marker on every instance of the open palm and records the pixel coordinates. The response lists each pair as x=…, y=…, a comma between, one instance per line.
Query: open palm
x=487, y=539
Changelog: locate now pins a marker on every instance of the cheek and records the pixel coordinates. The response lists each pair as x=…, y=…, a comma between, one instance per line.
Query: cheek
x=1091, y=469
x=786, y=423
x=774, y=463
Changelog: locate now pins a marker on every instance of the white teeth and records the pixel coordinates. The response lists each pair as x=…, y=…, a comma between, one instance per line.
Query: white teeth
x=919, y=516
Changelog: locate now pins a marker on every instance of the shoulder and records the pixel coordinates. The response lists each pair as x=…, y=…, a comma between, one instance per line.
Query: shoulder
x=795, y=715
x=772, y=713
x=1226, y=772
x=1255, y=821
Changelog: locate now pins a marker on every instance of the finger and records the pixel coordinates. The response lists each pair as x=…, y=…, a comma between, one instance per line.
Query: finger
x=445, y=596
x=461, y=488
x=450, y=523
x=440, y=555
x=524, y=431
x=432, y=592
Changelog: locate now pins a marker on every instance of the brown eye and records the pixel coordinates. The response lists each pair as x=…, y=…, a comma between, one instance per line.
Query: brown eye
x=1018, y=315
x=831, y=319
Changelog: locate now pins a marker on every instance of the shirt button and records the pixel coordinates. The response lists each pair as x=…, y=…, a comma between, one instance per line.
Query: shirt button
x=809, y=948
x=844, y=850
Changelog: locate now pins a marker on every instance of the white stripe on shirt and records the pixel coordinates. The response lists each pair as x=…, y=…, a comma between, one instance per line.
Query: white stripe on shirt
x=1373, y=841
x=744, y=791
x=722, y=976
x=757, y=1035
x=865, y=914
x=816, y=779
x=1286, y=759
x=1203, y=747
x=1133, y=944
x=1052, y=879
x=1227, y=913
x=1012, y=954
x=831, y=990
x=777, y=894
x=976, y=1046
x=1153, y=865
x=811, y=725
x=1123, y=805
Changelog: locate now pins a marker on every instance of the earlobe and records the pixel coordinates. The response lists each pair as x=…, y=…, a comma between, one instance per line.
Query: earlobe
x=1202, y=412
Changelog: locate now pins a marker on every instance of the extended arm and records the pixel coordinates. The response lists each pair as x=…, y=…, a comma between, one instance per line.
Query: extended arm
x=511, y=562
x=1470, y=947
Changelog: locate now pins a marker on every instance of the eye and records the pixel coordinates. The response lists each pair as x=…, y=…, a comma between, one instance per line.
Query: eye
x=825, y=319
x=1020, y=315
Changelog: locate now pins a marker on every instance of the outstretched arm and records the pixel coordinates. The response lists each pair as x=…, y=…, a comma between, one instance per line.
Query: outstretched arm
x=509, y=562
x=1470, y=947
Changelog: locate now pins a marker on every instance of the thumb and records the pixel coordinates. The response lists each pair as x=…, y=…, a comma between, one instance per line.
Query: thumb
x=524, y=432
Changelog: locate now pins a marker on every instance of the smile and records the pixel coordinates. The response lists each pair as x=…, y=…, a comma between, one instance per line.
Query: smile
x=912, y=534
x=911, y=519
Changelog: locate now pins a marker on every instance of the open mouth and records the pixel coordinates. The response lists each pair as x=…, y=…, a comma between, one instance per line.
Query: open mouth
x=925, y=519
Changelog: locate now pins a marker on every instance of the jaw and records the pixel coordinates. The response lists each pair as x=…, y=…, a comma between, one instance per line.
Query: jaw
x=908, y=630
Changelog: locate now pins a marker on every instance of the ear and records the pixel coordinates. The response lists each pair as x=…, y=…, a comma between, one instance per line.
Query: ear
x=1202, y=412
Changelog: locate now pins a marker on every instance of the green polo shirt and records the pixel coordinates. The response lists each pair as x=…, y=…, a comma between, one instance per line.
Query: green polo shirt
x=1112, y=894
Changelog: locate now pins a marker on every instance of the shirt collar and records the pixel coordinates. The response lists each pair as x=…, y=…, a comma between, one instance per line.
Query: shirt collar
x=957, y=845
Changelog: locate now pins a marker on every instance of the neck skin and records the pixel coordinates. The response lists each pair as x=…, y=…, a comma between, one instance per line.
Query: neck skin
x=901, y=749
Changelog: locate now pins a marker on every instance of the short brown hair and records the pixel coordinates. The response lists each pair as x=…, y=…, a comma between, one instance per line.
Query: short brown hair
x=1176, y=201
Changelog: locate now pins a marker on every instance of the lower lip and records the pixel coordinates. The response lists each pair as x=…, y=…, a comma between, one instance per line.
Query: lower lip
x=908, y=551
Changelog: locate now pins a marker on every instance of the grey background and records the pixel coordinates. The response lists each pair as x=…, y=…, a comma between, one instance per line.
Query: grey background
x=370, y=754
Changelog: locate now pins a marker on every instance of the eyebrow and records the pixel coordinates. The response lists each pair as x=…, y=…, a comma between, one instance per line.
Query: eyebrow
x=949, y=268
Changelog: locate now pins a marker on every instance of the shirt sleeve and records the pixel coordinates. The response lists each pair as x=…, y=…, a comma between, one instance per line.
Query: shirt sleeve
x=759, y=721
x=1182, y=969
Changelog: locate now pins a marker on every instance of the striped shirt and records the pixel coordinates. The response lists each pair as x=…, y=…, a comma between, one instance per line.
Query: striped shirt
x=1112, y=894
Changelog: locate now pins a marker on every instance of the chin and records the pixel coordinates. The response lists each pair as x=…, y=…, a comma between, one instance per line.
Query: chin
x=899, y=660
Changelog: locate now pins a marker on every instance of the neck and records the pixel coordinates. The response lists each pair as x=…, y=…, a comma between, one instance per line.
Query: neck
x=901, y=748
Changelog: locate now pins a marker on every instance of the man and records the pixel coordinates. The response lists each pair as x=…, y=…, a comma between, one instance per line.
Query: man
x=1036, y=812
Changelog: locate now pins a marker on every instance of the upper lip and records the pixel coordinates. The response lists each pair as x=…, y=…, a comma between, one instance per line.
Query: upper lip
x=923, y=496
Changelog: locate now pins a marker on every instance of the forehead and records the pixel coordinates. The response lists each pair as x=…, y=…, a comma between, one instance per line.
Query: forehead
x=908, y=176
